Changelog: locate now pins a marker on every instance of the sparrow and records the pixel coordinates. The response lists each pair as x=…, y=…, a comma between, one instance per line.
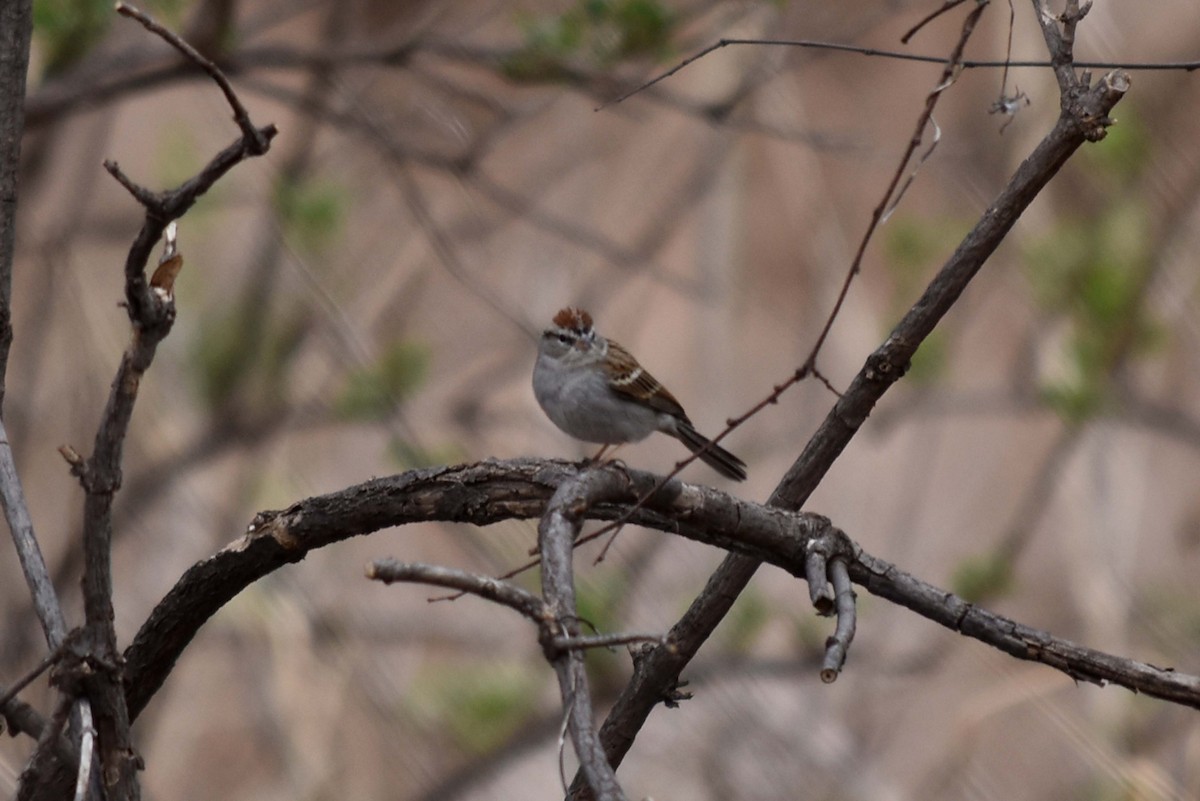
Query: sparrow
x=594, y=390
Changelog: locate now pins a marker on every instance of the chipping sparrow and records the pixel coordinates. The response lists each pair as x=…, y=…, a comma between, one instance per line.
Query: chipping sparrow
x=594, y=390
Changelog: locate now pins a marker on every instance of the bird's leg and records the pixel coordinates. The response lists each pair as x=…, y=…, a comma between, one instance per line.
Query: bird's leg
x=600, y=453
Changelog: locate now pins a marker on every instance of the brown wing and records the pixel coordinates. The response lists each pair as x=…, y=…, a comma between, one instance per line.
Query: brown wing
x=628, y=378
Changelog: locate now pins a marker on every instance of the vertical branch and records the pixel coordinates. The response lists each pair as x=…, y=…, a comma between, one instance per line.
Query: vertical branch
x=557, y=532
x=1083, y=118
x=16, y=28
x=151, y=308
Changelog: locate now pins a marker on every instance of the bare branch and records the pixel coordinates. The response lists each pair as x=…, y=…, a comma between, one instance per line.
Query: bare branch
x=45, y=599
x=23, y=682
x=1061, y=43
x=930, y=17
x=557, y=532
x=837, y=646
x=390, y=571
x=491, y=491
x=22, y=718
x=812, y=44
x=1080, y=121
x=259, y=141
x=585, y=641
x=152, y=314
x=819, y=590
x=16, y=29
x=87, y=739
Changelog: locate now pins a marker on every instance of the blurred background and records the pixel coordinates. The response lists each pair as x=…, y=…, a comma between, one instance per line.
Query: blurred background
x=362, y=300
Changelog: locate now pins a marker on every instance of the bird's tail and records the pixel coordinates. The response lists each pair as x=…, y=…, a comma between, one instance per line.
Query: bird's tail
x=710, y=453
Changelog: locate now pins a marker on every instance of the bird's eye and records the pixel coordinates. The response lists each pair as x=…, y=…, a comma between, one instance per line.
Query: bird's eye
x=563, y=338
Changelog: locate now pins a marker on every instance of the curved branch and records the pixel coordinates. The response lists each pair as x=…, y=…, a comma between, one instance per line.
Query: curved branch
x=491, y=491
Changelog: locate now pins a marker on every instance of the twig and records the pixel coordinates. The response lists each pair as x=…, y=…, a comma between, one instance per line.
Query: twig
x=1061, y=43
x=86, y=739
x=529, y=605
x=812, y=44
x=820, y=593
x=930, y=17
x=1081, y=121
x=258, y=140
x=510, y=595
x=887, y=204
x=29, y=553
x=145, y=71
x=584, y=642
x=837, y=646
x=23, y=682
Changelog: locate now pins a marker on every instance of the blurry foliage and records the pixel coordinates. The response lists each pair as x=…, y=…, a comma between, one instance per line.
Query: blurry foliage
x=67, y=29
x=409, y=456
x=597, y=600
x=242, y=359
x=746, y=620
x=810, y=632
x=372, y=392
x=1123, y=153
x=983, y=578
x=598, y=33
x=177, y=157
x=929, y=362
x=1176, y=612
x=479, y=706
x=1091, y=272
x=913, y=250
x=170, y=12
x=312, y=212
x=598, y=604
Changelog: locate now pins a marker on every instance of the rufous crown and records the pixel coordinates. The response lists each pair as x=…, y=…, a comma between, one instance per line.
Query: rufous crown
x=573, y=319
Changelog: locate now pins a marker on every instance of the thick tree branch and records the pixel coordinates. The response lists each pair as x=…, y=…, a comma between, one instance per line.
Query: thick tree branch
x=488, y=492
